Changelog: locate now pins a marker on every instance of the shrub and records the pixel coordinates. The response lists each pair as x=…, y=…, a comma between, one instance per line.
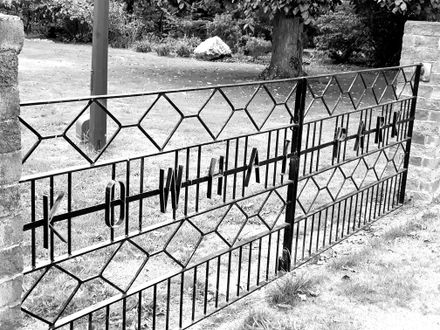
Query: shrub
x=385, y=30
x=163, y=49
x=143, y=46
x=183, y=50
x=256, y=46
x=343, y=36
x=227, y=28
x=185, y=46
x=190, y=28
x=124, y=29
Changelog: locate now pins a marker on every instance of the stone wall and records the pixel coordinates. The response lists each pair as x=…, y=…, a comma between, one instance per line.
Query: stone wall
x=11, y=227
x=421, y=44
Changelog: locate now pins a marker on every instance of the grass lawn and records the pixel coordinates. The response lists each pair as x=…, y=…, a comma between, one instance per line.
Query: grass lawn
x=384, y=278
x=52, y=70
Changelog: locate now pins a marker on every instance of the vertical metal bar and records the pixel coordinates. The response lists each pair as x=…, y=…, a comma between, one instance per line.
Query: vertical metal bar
x=107, y=317
x=331, y=224
x=33, y=218
x=303, y=251
x=325, y=227
x=249, y=266
x=229, y=276
x=243, y=188
x=154, y=305
x=167, y=315
x=194, y=293
x=225, y=181
x=410, y=132
x=112, y=230
x=277, y=141
x=182, y=283
x=311, y=234
x=141, y=190
x=292, y=190
x=277, y=253
x=199, y=159
x=139, y=320
x=240, y=256
x=313, y=145
x=205, y=298
x=124, y=313
x=269, y=138
x=185, y=209
x=217, y=284
x=127, y=194
x=260, y=241
x=269, y=245
x=52, y=238
x=306, y=148
x=234, y=188
x=319, y=143
x=319, y=231
x=69, y=209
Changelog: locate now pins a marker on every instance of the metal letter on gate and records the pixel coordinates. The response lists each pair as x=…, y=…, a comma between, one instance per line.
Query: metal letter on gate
x=109, y=195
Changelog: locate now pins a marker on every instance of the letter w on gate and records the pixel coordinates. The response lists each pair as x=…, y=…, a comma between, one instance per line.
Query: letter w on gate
x=173, y=184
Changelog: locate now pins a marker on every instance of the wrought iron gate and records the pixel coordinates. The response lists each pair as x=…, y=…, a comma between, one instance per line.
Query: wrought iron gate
x=234, y=186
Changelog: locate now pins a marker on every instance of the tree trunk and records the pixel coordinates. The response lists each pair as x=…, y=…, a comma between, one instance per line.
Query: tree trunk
x=287, y=48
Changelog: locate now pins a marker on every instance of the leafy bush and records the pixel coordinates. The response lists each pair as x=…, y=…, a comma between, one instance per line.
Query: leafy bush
x=163, y=49
x=190, y=28
x=183, y=50
x=385, y=29
x=143, y=46
x=227, y=28
x=256, y=46
x=185, y=46
x=344, y=36
x=124, y=29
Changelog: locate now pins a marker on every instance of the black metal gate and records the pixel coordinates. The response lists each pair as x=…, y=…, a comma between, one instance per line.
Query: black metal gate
x=232, y=186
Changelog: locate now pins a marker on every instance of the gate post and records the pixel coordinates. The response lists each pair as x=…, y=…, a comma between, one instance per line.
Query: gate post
x=298, y=120
x=412, y=116
x=11, y=228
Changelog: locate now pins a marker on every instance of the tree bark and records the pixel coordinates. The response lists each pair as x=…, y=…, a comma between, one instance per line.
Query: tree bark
x=287, y=48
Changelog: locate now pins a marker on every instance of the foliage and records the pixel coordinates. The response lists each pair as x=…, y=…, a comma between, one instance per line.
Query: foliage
x=341, y=46
x=163, y=49
x=183, y=50
x=190, y=28
x=308, y=10
x=256, y=46
x=124, y=29
x=419, y=9
x=227, y=28
x=143, y=46
x=386, y=31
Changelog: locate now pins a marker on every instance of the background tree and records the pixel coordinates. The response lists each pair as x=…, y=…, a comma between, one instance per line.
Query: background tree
x=288, y=19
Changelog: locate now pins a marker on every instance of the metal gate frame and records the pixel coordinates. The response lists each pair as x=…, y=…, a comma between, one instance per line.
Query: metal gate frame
x=305, y=233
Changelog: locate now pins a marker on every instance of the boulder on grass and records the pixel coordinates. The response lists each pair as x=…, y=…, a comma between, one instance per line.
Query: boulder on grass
x=212, y=49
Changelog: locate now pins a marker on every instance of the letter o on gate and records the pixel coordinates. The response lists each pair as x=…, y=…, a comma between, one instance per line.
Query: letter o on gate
x=109, y=195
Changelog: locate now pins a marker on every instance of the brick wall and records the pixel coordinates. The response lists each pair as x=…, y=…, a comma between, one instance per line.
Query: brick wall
x=11, y=228
x=421, y=44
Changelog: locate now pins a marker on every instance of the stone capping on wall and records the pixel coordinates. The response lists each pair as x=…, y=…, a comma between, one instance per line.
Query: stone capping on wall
x=11, y=228
x=421, y=44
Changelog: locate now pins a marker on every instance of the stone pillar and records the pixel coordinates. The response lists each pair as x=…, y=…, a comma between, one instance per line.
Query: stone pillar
x=11, y=227
x=421, y=44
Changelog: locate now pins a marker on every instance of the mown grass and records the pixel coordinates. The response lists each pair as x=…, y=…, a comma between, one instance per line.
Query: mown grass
x=288, y=290
x=387, y=275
